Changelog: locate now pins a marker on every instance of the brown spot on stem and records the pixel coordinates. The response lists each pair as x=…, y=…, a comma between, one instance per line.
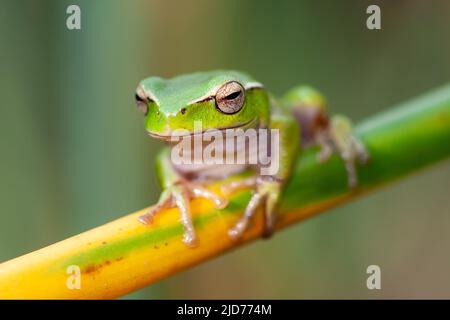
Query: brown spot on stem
x=92, y=268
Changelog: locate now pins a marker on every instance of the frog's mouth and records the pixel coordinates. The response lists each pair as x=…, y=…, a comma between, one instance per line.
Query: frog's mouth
x=252, y=123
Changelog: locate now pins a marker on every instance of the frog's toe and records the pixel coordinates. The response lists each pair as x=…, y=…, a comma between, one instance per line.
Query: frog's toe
x=360, y=151
x=219, y=201
x=163, y=202
x=326, y=150
x=190, y=239
x=146, y=218
x=352, y=177
x=181, y=198
x=354, y=153
x=237, y=231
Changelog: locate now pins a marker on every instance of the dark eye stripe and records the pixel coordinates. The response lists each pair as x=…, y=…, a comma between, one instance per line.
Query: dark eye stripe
x=138, y=98
x=206, y=99
x=142, y=103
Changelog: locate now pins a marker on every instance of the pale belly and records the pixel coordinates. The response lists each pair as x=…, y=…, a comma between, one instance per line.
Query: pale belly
x=230, y=157
x=209, y=171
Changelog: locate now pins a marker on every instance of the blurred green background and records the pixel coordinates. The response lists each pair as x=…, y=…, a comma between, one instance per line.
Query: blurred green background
x=74, y=153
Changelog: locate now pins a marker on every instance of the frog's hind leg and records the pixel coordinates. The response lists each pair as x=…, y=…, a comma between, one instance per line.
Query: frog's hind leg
x=338, y=137
x=332, y=135
x=347, y=145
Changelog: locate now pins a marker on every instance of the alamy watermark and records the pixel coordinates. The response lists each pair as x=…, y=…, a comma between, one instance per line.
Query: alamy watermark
x=73, y=281
x=73, y=21
x=374, y=280
x=259, y=147
x=373, y=22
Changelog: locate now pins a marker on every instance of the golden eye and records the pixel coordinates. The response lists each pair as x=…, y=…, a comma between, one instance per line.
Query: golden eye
x=230, y=97
x=142, y=100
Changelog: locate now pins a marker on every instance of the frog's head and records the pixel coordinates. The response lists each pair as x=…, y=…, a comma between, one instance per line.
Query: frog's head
x=218, y=99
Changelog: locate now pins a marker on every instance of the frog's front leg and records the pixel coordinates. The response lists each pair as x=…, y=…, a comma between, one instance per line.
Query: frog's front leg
x=267, y=193
x=268, y=187
x=178, y=191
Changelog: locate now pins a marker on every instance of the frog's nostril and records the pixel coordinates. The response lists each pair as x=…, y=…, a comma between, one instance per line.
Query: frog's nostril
x=183, y=111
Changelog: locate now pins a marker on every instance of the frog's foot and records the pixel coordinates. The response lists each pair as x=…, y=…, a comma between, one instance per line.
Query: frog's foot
x=267, y=192
x=179, y=195
x=339, y=138
x=352, y=153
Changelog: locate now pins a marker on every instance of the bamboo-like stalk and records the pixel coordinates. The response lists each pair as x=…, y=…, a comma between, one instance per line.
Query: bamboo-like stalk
x=124, y=255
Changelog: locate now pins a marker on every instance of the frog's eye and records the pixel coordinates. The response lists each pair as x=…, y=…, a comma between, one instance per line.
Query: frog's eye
x=230, y=97
x=141, y=100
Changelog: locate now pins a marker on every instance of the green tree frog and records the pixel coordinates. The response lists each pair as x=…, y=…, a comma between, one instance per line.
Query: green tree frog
x=222, y=100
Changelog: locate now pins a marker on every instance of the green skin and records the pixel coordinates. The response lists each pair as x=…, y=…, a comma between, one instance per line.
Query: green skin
x=174, y=104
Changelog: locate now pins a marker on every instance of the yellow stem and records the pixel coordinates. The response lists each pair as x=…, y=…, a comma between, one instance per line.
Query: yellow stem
x=125, y=255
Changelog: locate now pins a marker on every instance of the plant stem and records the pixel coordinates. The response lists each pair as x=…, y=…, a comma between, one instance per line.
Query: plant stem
x=124, y=255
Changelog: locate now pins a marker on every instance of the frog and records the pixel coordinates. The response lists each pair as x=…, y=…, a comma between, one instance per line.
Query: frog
x=224, y=100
